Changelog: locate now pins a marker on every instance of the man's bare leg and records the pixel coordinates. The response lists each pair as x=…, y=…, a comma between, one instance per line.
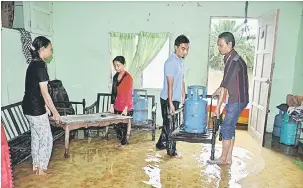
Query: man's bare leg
x=230, y=152
x=225, y=150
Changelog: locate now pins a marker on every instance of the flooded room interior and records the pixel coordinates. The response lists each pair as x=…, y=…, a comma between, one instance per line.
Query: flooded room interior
x=155, y=94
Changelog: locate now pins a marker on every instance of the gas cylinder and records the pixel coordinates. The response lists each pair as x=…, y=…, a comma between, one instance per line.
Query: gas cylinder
x=278, y=123
x=195, y=110
x=140, y=112
x=288, y=131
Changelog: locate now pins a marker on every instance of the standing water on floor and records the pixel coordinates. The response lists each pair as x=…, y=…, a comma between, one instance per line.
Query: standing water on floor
x=98, y=163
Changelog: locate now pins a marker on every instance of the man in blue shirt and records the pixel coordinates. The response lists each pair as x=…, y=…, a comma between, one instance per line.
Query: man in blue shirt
x=173, y=92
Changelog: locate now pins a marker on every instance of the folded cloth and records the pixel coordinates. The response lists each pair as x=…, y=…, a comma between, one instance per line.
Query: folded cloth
x=295, y=110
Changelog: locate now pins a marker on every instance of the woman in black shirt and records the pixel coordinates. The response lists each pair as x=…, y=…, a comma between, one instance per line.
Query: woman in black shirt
x=37, y=103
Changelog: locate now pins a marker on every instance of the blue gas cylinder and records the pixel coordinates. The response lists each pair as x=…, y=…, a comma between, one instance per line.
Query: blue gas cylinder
x=278, y=123
x=140, y=106
x=288, y=131
x=195, y=110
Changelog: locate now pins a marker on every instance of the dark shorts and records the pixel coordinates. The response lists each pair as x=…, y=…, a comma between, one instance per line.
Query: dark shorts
x=228, y=128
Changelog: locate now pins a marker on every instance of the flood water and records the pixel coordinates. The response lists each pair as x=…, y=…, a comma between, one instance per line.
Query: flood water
x=98, y=163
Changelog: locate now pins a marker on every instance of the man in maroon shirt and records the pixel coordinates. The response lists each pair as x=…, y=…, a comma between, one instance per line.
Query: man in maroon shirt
x=234, y=89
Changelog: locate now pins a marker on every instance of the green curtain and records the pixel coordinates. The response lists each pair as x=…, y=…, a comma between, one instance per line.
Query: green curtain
x=122, y=44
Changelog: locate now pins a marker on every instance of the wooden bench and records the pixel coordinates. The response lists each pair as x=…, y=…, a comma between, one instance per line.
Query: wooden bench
x=17, y=131
x=102, y=104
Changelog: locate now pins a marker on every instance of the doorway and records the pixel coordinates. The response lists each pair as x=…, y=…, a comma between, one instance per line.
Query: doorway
x=257, y=48
x=245, y=37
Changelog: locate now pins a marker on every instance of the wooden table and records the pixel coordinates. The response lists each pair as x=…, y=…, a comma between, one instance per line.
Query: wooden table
x=73, y=122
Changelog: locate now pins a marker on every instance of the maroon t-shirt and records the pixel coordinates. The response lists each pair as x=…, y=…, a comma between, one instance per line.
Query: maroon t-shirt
x=235, y=78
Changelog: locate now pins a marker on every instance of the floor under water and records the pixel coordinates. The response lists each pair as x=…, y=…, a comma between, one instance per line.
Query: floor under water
x=98, y=163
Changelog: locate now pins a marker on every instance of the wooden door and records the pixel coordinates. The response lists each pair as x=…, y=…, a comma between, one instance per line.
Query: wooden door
x=262, y=75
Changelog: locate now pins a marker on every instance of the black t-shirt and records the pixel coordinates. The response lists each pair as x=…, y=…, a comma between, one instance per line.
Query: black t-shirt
x=33, y=103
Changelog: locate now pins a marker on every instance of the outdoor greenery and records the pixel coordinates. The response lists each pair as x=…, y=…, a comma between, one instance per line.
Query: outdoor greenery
x=244, y=45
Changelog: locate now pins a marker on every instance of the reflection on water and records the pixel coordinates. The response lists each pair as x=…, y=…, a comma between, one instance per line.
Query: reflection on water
x=227, y=175
x=210, y=175
x=154, y=175
x=98, y=163
x=153, y=170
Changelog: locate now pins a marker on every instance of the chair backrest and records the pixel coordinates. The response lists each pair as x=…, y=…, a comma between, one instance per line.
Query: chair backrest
x=14, y=121
x=92, y=109
x=66, y=111
x=103, y=103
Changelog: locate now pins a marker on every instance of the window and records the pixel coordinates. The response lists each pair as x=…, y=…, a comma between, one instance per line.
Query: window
x=35, y=17
x=153, y=74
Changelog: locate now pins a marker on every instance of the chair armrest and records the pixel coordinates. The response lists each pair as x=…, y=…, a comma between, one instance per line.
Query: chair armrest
x=91, y=109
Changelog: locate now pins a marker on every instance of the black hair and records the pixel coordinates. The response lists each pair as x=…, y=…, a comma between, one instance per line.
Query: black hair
x=181, y=39
x=37, y=44
x=228, y=37
x=121, y=59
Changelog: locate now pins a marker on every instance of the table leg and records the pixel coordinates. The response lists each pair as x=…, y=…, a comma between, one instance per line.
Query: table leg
x=106, y=132
x=129, y=127
x=66, y=153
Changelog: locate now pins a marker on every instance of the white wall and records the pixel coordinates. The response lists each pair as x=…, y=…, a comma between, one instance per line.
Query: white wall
x=298, y=74
x=13, y=67
x=82, y=40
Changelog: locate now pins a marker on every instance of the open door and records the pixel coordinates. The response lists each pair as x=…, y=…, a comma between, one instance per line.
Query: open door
x=262, y=75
